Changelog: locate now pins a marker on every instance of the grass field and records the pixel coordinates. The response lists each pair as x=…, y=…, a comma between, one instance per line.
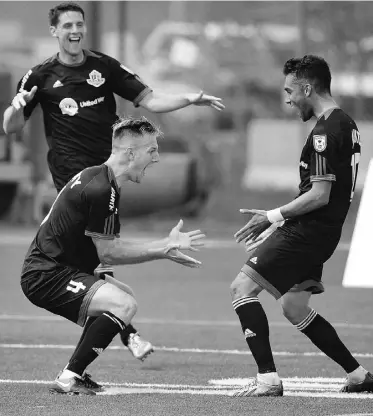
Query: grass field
x=201, y=355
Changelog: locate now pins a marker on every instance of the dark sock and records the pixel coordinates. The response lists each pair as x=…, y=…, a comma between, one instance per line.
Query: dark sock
x=255, y=327
x=87, y=325
x=98, y=336
x=129, y=329
x=325, y=337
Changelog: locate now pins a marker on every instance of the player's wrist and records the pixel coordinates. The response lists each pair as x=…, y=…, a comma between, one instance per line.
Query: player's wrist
x=275, y=215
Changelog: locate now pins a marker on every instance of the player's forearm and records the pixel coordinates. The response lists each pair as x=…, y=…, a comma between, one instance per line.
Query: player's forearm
x=118, y=252
x=164, y=103
x=305, y=203
x=14, y=120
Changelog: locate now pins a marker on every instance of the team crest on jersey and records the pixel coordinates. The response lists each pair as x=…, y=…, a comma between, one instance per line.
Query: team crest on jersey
x=95, y=79
x=69, y=106
x=319, y=142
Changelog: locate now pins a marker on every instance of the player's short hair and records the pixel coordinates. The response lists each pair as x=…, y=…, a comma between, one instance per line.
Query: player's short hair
x=135, y=127
x=55, y=13
x=311, y=68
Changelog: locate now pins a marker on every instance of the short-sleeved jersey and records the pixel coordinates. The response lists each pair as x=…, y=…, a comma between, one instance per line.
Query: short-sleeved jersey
x=331, y=153
x=86, y=207
x=79, y=107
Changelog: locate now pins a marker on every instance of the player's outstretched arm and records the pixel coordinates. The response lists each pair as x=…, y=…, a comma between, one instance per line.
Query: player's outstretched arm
x=14, y=119
x=118, y=251
x=158, y=102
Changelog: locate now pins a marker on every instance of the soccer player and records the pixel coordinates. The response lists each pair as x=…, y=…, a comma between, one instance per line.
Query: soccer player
x=288, y=263
x=81, y=231
x=75, y=89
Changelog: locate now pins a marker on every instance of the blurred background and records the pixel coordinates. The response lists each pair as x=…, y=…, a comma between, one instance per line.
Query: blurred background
x=212, y=163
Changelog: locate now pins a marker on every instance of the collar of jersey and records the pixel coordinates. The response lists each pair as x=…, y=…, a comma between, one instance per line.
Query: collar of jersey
x=331, y=109
x=80, y=63
x=112, y=177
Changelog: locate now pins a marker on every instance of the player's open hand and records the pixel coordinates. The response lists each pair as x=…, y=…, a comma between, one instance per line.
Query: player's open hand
x=23, y=97
x=178, y=257
x=206, y=100
x=252, y=243
x=190, y=240
x=258, y=223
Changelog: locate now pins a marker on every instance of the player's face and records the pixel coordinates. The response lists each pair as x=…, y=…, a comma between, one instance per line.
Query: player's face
x=144, y=155
x=297, y=96
x=70, y=32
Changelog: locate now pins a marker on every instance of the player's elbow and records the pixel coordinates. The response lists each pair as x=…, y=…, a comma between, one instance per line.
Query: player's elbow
x=104, y=250
x=322, y=198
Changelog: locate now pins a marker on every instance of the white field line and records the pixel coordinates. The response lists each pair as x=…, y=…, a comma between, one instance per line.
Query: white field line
x=178, y=322
x=292, y=389
x=180, y=350
x=22, y=240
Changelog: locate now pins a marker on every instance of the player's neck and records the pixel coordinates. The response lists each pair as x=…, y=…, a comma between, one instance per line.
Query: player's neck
x=68, y=59
x=119, y=170
x=323, y=105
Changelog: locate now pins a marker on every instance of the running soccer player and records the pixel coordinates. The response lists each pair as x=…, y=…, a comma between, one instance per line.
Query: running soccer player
x=75, y=89
x=81, y=231
x=288, y=263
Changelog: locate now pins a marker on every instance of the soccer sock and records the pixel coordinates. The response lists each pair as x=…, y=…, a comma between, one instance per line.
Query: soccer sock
x=325, y=337
x=255, y=327
x=99, y=335
x=129, y=329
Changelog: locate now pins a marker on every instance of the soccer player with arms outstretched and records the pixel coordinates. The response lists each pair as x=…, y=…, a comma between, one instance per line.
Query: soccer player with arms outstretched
x=291, y=243
x=81, y=230
x=75, y=89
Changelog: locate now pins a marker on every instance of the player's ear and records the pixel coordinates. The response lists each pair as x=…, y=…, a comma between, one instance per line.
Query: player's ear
x=53, y=31
x=307, y=90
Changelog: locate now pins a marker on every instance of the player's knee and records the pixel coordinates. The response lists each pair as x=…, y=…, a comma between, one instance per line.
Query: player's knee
x=294, y=313
x=124, y=306
x=243, y=285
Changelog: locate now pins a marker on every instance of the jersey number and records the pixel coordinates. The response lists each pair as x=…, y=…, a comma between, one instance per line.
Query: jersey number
x=355, y=159
x=75, y=286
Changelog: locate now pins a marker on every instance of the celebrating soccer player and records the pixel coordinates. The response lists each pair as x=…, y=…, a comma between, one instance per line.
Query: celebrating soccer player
x=291, y=243
x=80, y=231
x=75, y=89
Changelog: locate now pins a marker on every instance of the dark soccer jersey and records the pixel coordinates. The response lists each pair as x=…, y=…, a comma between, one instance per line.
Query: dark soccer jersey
x=79, y=107
x=86, y=207
x=331, y=153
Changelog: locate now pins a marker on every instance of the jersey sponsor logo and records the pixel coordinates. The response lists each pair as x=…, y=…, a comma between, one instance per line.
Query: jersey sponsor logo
x=91, y=103
x=319, y=142
x=127, y=69
x=69, y=106
x=112, y=200
x=57, y=84
x=303, y=164
x=95, y=79
x=24, y=80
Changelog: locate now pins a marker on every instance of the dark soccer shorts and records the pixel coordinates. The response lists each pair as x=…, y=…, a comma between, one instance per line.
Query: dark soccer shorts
x=292, y=258
x=63, y=291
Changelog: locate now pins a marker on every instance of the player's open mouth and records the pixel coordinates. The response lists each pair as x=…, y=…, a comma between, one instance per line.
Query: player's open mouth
x=74, y=40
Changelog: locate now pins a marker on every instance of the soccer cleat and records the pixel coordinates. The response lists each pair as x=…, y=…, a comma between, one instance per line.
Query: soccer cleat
x=87, y=378
x=363, y=386
x=259, y=389
x=139, y=347
x=71, y=386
